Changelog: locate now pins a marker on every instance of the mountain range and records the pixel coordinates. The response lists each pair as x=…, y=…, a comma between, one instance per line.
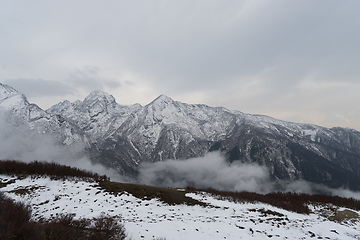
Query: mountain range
x=124, y=137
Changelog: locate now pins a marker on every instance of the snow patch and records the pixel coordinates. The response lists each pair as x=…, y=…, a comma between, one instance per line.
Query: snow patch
x=151, y=219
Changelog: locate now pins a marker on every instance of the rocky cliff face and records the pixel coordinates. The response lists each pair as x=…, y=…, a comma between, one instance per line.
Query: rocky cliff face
x=122, y=137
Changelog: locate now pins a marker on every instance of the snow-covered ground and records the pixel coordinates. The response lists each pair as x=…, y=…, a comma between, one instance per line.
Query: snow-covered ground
x=151, y=219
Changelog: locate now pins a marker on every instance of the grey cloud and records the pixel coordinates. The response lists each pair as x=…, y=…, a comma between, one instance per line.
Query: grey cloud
x=291, y=39
x=198, y=47
x=89, y=78
x=207, y=43
x=40, y=87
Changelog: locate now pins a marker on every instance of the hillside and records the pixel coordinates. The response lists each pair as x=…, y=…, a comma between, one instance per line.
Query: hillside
x=153, y=213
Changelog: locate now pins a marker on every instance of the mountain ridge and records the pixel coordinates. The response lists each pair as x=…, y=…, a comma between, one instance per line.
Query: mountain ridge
x=123, y=137
x=175, y=130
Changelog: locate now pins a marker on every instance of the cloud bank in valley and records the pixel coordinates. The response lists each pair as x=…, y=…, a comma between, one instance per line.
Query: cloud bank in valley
x=213, y=171
x=210, y=171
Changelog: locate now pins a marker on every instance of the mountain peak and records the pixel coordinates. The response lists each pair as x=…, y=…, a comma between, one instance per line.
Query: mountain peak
x=7, y=91
x=10, y=97
x=99, y=95
x=162, y=99
x=59, y=107
x=161, y=102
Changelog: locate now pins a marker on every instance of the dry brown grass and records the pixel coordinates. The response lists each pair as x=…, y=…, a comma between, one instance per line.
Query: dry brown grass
x=167, y=195
x=344, y=215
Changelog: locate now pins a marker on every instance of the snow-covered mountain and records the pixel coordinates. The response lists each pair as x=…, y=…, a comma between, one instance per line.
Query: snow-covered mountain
x=123, y=137
x=150, y=218
x=29, y=119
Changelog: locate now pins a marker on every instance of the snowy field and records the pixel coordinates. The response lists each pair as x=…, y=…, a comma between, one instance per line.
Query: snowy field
x=151, y=219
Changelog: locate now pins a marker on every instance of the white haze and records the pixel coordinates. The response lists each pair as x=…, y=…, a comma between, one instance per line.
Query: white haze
x=301, y=186
x=213, y=171
x=210, y=171
x=17, y=143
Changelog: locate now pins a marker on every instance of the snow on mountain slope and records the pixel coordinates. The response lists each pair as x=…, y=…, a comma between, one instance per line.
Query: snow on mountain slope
x=28, y=133
x=98, y=115
x=124, y=137
x=17, y=112
x=150, y=219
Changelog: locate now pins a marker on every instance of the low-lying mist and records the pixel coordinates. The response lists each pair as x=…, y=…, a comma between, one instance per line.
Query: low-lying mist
x=213, y=171
x=210, y=171
x=18, y=143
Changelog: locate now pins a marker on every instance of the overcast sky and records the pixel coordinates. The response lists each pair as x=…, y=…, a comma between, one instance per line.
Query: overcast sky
x=293, y=60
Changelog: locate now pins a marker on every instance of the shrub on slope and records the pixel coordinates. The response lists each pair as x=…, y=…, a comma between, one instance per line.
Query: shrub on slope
x=15, y=221
x=15, y=224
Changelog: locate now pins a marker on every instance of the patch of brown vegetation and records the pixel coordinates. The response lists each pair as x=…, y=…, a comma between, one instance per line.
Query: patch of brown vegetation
x=294, y=202
x=54, y=170
x=344, y=215
x=167, y=195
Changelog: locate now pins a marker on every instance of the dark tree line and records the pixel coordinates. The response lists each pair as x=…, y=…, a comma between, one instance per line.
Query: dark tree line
x=46, y=168
x=295, y=202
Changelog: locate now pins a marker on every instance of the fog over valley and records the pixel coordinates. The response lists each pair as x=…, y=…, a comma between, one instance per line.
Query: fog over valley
x=209, y=171
x=181, y=119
